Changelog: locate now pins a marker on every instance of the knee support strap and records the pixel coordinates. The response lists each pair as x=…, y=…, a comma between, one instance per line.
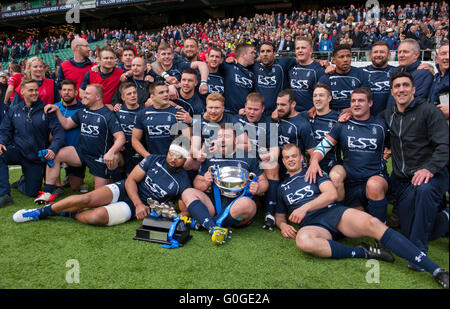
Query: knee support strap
x=118, y=213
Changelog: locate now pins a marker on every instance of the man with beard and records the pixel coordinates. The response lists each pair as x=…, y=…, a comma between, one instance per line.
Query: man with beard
x=270, y=75
x=293, y=127
x=225, y=211
x=188, y=97
x=68, y=106
x=160, y=177
x=215, y=77
x=190, y=50
x=76, y=67
x=379, y=76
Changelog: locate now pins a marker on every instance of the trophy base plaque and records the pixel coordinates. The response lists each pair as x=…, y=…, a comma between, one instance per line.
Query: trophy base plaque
x=157, y=230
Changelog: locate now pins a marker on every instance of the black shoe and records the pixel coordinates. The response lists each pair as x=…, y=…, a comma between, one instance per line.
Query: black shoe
x=381, y=254
x=442, y=278
x=58, y=191
x=6, y=200
x=269, y=222
x=15, y=184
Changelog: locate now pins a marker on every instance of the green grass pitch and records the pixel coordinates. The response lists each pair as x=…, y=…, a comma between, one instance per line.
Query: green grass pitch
x=41, y=255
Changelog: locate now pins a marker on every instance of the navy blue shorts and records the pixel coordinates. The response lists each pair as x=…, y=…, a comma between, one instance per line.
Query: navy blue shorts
x=329, y=164
x=327, y=218
x=95, y=164
x=130, y=161
x=355, y=193
x=77, y=171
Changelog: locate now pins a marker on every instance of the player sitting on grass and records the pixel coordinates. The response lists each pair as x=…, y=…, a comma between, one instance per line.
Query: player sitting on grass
x=159, y=177
x=320, y=219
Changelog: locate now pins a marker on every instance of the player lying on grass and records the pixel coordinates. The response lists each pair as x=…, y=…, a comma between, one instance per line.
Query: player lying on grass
x=159, y=177
x=320, y=219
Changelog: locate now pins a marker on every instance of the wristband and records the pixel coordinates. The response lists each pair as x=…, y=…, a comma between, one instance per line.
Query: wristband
x=164, y=74
x=203, y=82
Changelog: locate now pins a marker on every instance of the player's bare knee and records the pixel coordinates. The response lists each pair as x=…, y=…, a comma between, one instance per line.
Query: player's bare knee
x=86, y=200
x=373, y=226
x=189, y=195
x=337, y=178
x=244, y=208
x=98, y=217
x=375, y=189
x=304, y=242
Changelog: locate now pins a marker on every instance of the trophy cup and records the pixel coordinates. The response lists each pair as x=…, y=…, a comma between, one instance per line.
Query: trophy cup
x=231, y=180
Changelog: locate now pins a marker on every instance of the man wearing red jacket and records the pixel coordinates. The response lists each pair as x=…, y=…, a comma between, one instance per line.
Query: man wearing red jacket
x=76, y=67
x=108, y=75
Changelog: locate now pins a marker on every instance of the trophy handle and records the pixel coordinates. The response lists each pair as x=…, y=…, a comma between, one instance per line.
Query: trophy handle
x=252, y=176
x=212, y=170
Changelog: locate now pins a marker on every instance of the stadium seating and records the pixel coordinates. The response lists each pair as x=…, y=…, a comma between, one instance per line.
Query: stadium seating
x=64, y=54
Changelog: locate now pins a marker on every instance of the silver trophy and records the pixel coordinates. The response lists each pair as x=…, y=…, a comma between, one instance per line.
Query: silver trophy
x=162, y=209
x=231, y=180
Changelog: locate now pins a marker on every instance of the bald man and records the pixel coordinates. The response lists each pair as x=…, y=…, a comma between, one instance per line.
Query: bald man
x=76, y=67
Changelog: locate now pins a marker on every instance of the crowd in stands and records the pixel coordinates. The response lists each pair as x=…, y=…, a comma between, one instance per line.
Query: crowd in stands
x=358, y=27
x=25, y=5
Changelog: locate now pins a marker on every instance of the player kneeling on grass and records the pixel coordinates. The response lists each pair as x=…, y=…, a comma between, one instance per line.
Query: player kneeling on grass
x=159, y=177
x=312, y=206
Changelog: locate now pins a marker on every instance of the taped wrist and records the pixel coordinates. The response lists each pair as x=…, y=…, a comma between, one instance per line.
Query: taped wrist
x=324, y=146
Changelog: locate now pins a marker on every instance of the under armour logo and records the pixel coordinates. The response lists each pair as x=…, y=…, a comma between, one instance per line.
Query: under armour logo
x=418, y=258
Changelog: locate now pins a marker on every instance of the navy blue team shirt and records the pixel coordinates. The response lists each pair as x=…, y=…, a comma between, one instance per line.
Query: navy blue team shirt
x=295, y=191
x=380, y=86
x=321, y=126
x=296, y=130
x=96, y=130
x=159, y=183
x=196, y=105
x=239, y=81
x=342, y=86
x=127, y=119
x=302, y=79
x=362, y=144
x=271, y=80
x=208, y=129
x=259, y=132
x=157, y=124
